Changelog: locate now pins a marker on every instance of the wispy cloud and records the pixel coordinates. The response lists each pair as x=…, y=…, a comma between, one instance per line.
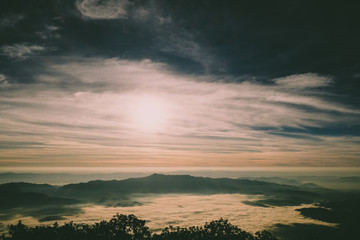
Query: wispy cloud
x=3, y=80
x=21, y=51
x=10, y=20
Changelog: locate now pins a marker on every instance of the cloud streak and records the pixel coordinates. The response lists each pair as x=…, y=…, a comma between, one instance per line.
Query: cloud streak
x=97, y=9
x=304, y=81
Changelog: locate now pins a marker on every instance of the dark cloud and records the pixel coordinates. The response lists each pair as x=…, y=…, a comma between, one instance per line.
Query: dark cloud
x=268, y=39
x=312, y=132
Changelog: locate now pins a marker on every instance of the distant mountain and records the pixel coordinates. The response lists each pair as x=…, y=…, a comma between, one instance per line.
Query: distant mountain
x=159, y=183
x=278, y=180
x=107, y=191
x=64, y=178
x=28, y=187
x=352, y=179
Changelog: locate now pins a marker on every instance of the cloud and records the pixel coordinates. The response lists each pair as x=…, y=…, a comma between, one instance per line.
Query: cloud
x=49, y=32
x=97, y=9
x=88, y=107
x=257, y=110
x=21, y=51
x=184, y=45
x=304, y=81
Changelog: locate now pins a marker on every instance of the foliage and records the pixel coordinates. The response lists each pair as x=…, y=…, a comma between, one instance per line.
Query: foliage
x=215, y=230
x=123, y=227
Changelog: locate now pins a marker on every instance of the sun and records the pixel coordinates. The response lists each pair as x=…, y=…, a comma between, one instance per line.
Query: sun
x=150, y=114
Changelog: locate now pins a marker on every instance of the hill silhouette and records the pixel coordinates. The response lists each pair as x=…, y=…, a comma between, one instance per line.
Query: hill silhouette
x=100, y=191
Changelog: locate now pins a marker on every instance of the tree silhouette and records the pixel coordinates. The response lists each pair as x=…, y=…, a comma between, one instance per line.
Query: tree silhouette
x=215, y=230
x=123, y=227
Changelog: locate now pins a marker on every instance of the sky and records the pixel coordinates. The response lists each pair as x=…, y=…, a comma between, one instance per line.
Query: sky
x=158, y=83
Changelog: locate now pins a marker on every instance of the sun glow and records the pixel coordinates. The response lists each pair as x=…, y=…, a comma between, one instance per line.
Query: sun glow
x=150, y=114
